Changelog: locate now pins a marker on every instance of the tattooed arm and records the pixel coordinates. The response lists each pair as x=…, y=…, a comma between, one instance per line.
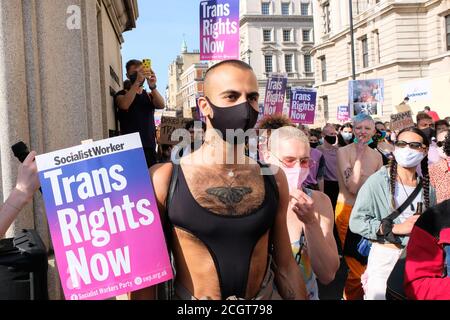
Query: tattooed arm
x=288, y=278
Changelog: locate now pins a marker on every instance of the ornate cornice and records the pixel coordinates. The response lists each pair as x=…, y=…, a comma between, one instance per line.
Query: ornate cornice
x=275, y=18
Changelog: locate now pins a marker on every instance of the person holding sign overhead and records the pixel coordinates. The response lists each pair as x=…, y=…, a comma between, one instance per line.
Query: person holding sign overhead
x=225, y=214
x=137, y=107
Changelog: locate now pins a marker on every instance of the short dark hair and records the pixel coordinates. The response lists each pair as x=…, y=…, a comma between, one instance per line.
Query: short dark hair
x=427, y=108
x=423, y=116
x=447, y=144
x=406, y=98
x=441, y=123
x=275, y=121
x=132, y=63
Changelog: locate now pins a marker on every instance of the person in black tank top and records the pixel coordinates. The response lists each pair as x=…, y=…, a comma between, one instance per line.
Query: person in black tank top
x=225, y=222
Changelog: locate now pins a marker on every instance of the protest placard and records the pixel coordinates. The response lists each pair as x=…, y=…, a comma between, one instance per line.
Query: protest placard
x=103, y=219
x=303, y=105
x=366, y=96
x=275, y=94
x=343, y=113
x=168, y=126
x=400, y=121
x=219, y=30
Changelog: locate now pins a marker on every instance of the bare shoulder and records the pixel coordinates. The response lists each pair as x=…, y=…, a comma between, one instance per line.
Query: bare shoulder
x=323, y=204
x=161, y=175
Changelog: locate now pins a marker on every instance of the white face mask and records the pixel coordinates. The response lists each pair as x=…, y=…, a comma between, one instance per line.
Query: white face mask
x=347, y=136
x=408, y=158
x=296, y=177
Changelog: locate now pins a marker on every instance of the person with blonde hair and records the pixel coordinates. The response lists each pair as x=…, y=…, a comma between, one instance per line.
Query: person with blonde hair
x=310, y=217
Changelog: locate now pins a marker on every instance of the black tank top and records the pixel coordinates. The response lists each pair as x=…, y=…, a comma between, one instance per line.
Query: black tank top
x=229, y=239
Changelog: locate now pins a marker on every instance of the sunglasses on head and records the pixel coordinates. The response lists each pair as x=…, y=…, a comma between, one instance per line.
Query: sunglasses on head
x=412, y=145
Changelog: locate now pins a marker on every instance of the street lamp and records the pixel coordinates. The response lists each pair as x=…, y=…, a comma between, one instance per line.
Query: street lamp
x=350, y=4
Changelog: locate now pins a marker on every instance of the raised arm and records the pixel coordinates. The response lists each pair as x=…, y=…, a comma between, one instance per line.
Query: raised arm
x=317, y=215
x=27, y=184
x=288, y=278
x=124, y=101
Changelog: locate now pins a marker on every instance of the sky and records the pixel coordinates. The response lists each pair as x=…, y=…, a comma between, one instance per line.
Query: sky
x=159, y=34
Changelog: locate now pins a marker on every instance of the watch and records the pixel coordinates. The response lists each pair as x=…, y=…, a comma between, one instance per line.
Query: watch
x=152, y=87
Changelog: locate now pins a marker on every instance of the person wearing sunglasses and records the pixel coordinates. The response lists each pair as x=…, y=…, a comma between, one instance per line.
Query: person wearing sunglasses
x=356, y=163
x=310, y=214
x=388, y=205
x=439, y=172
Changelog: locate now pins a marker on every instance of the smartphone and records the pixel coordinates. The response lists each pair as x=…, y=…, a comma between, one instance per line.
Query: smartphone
x=20, y=151
x=147, y=64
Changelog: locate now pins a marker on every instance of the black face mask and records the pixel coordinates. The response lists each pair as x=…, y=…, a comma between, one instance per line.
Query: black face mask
x=430, y=133
x=314, y=144
x=331, y=139
x=241, y=116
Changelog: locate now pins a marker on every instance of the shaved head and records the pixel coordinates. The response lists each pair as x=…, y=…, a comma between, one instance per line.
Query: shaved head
x=209, y=75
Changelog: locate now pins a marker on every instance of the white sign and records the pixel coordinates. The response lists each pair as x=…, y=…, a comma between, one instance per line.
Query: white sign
x=417, y=90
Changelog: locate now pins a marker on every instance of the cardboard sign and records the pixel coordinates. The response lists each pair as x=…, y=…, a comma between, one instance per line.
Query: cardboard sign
x=303, y=105
x=168, y=126
x=219, y=30
x=400, y=121
x=103, y=219
x=275, y=94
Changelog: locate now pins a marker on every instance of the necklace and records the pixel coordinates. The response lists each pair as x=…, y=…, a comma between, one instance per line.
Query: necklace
x=407, y=195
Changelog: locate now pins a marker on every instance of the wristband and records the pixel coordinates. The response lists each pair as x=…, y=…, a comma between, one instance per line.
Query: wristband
x=152, y=87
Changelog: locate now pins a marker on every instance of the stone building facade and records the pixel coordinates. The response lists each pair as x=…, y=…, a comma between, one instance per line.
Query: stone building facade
x=60, y=63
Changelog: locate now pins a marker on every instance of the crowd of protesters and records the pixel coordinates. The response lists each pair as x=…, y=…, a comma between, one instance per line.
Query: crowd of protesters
x=357, y=194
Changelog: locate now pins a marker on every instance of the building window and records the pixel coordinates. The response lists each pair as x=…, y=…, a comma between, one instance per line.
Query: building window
x=304, y=9
x=285, y=10
x=288, y=63
x=307, y=61
x=365, y=52
x=267, y=35
x=326, y=18
x=447, y=24
x=265, y=8
x=287, y=35
x=268, y=64
x=306, y=35
x=323, y=66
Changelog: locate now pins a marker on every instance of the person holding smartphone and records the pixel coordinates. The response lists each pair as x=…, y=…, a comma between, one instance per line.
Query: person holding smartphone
x=27, y=184
x=137, y=107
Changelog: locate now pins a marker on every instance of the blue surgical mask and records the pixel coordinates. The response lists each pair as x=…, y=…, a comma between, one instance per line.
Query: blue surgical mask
x=408, y=158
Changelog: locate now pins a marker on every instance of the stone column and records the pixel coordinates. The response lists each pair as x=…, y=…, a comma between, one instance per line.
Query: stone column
x=49, y=92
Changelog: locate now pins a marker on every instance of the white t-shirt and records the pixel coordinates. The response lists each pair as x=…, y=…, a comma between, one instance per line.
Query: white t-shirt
x=400, y=198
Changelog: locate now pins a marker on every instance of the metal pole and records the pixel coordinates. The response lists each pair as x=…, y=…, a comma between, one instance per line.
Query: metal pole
x=352, y=39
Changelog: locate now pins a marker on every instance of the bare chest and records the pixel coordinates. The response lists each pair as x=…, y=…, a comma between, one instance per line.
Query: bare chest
x=226, y=192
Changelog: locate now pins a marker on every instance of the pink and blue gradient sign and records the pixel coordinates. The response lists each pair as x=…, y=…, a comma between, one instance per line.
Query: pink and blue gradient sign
x=103, y=219
x=275, y=94
x=219, y=30
x=303, y=105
